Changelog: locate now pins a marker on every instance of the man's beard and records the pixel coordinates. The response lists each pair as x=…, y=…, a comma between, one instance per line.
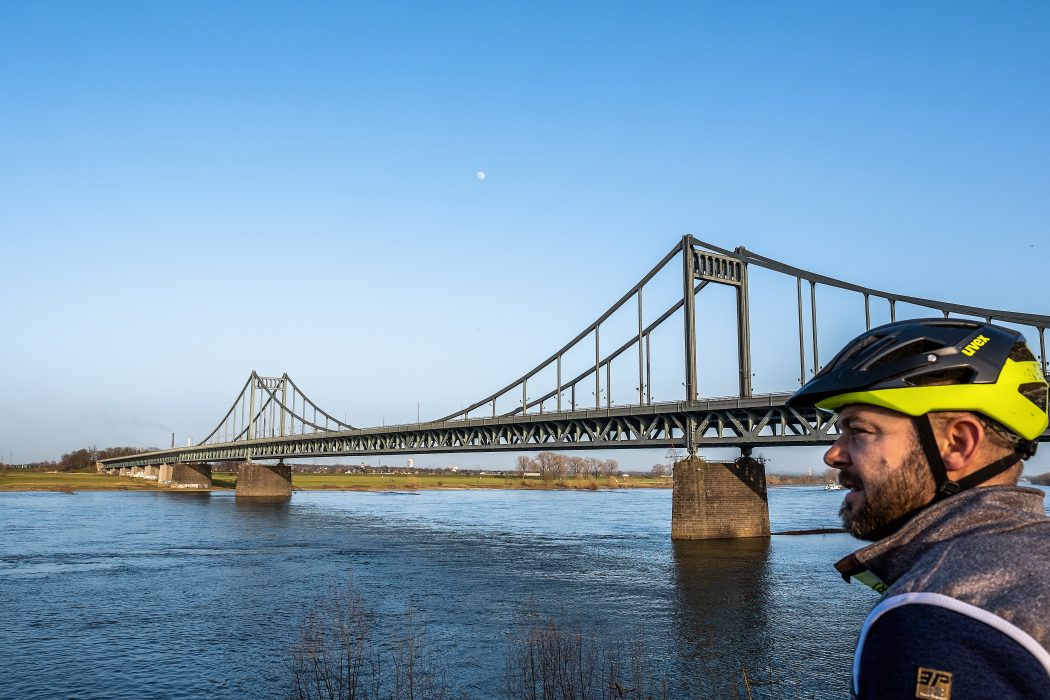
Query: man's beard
x=890, y=501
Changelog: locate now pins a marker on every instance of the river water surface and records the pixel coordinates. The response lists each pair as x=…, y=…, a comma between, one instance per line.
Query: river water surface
x=201, y=595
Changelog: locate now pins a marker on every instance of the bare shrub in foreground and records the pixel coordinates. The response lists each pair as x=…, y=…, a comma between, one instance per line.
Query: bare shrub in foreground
x=775, y=686
x=335, y=656
x=549, y=660
x=418, y=673
x=341, y=655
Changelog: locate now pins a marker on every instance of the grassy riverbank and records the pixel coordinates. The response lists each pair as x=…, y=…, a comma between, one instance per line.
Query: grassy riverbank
x=24, y=480
x=30, y=480
x=466, y=480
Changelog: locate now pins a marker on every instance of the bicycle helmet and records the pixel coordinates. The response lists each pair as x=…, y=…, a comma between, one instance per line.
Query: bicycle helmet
x=918, y=366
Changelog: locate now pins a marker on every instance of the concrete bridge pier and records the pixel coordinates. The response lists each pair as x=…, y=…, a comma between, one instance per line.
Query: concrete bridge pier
x=164, y=474
x=264, y=480
x=716, y=500
x=190, y=476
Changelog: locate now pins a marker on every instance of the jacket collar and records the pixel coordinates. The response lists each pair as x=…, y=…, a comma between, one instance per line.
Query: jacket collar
x=985, y=510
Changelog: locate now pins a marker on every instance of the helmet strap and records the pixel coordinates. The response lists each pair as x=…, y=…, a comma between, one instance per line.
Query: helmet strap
x=949, y=487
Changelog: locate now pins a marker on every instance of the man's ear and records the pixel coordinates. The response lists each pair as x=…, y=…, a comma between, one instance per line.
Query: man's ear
x=961, y=438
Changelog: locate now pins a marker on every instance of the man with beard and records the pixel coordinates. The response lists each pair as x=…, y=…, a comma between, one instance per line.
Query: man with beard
x=935, y=418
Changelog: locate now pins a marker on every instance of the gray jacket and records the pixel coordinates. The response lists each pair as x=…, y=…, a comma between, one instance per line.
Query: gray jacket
x=967, y=596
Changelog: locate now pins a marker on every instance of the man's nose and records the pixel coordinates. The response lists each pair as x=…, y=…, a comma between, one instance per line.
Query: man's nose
x=837, y=456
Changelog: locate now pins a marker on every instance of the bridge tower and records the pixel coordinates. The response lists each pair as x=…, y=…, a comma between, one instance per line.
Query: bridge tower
x=715, y=500
x=700, y=268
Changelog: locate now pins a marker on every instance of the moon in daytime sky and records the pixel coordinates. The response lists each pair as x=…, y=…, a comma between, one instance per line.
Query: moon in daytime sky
x=481, y=174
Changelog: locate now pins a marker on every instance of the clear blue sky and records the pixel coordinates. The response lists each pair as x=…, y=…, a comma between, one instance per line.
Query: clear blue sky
x=192, y=190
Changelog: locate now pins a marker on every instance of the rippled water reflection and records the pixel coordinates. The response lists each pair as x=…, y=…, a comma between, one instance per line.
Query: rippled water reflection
x=130, y=595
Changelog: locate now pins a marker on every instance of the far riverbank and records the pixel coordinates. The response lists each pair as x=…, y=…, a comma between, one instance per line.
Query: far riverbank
x=18, y=480
x=24, y=480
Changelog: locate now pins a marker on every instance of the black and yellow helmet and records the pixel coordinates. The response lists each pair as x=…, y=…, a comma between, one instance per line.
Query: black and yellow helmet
x=919, y=366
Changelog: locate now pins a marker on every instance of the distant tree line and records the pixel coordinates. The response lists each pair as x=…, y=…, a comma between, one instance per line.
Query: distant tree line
x=1041, y=479
x=673, y=456
x=83, y=460
x=552, y=466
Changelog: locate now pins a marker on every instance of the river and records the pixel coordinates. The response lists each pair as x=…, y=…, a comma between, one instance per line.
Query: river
x=192, y=595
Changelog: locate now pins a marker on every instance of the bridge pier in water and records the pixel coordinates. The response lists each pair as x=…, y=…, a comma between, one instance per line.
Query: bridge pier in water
x=188, y=475
x=264, y=480
x=716, y=500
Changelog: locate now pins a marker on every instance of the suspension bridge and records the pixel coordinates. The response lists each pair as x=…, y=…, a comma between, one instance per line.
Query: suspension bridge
x=272, y=418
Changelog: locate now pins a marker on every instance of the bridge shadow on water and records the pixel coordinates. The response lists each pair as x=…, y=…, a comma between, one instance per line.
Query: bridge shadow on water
x=722, y=621
x=264, y=504
x=272, y=509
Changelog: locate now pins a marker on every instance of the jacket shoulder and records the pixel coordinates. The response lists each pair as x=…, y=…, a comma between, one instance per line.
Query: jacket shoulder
x=928, y=645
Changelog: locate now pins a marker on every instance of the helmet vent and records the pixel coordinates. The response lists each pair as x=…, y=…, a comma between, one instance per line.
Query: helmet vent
x=955, y=323
x=1034, y=392
x=916, y=348
x=1020, y=353
x=856, y=348
x=954, y=375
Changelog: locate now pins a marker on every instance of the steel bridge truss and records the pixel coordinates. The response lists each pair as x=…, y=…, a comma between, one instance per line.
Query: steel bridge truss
x=272, y=418
x=744, y=423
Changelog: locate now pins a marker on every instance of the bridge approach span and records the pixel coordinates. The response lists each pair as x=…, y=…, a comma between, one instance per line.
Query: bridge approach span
x=726, y=422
